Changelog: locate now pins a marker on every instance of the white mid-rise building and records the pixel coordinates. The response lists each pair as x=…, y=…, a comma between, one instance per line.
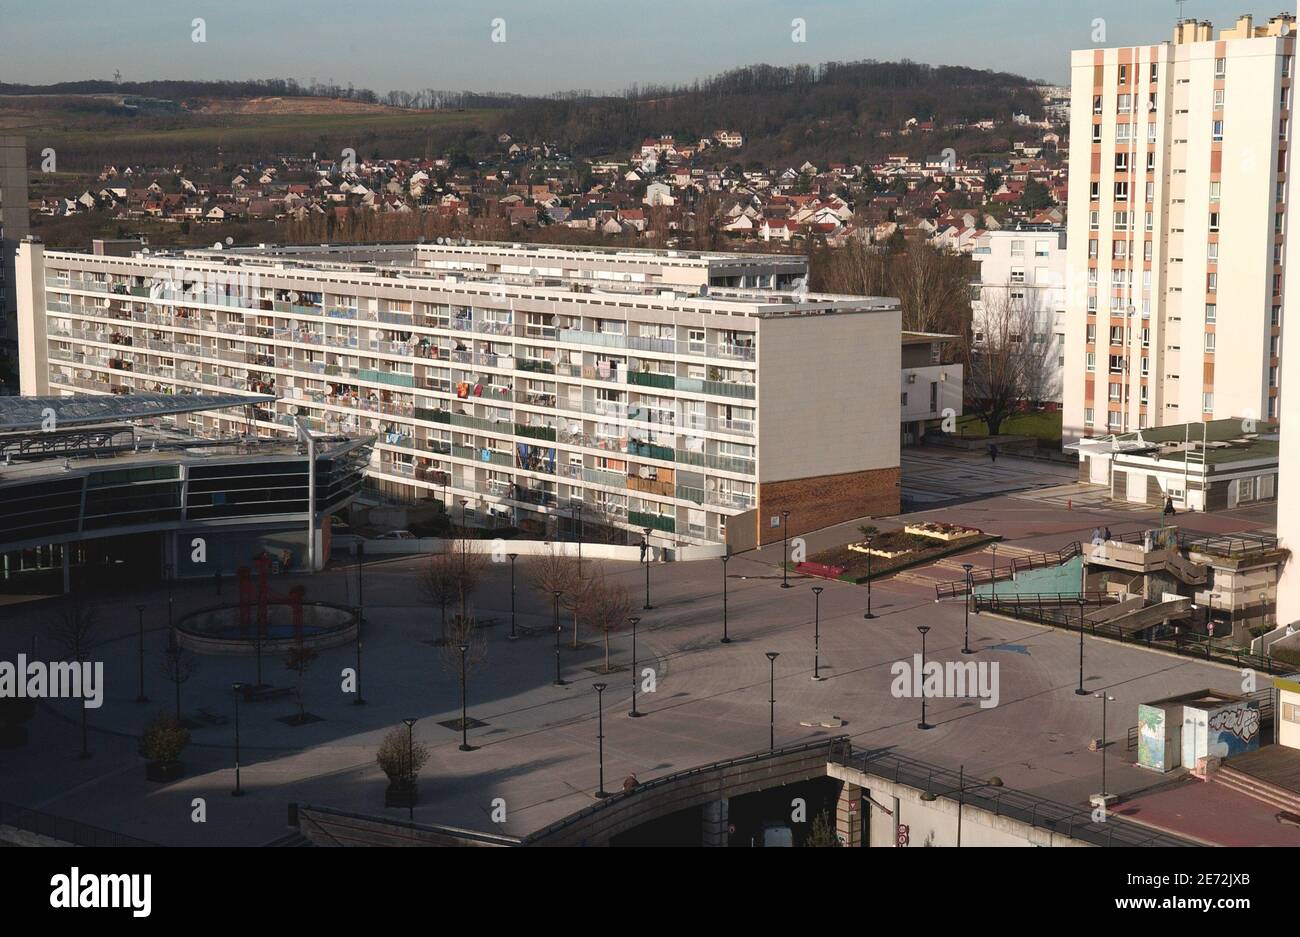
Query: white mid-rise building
x=1178, y=153
x=1022, y=273
x=681, y=392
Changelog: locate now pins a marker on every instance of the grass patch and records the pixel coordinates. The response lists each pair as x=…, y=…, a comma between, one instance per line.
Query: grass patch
x=1040, y=424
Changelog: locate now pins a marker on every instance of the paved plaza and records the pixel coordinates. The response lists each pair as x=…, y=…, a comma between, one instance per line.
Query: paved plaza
x=537, y=748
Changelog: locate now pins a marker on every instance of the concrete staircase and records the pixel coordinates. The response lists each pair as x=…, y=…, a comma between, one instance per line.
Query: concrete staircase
x=1271, y=794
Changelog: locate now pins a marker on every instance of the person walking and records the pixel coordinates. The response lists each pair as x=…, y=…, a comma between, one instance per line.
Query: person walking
x=644, y=546
x=1169, y=506
x=993, y=453
x=1106, y=534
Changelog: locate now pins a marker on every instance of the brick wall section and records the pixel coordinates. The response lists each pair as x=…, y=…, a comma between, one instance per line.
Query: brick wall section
x=822, y=501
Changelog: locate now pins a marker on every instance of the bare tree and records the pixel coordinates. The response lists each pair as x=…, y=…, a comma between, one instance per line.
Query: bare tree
x=299, y=659
x=178, y=665
x=76, y=630
x=607, y=607
x=555, y=572
x=454, y=576
x=1008, y=362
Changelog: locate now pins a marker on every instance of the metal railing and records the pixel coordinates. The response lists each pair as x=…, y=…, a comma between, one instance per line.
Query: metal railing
x=1017, y=564
x=64, y=830
x=1062, y=613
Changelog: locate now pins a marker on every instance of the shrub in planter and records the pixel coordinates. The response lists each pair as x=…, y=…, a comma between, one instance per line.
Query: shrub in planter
x=161, y=744
x=401, y=760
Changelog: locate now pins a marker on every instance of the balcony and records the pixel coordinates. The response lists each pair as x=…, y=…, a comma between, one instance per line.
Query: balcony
x=386, y=377
x=653, y=521
x=651, y=379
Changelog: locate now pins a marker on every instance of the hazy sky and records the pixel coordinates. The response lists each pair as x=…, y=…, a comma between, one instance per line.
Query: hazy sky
x=552, y=45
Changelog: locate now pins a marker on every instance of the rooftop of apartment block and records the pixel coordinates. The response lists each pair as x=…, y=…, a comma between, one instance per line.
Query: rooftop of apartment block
x=406, y=264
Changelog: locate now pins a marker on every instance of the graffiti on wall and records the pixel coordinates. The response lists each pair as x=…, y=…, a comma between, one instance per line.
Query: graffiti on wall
x=1234, y=730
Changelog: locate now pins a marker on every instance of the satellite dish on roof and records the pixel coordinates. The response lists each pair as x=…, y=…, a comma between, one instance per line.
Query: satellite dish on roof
x=229, y=240
x=216, y=246
x=442, y=240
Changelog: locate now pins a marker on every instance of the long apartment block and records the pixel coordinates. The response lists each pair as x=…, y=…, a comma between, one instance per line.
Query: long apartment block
x=1178, y=154
x=690, y=394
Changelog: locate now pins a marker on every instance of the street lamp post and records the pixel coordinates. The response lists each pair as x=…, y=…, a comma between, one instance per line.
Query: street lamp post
x=817, y=637
x=1105, y=698
x=785, y=549
x=358, y=700
x=965, y=645
x=600, y=736
x=771, y=699
x=725, y=557
x=993, y=582
x=464, y=716
x=647, y=605
x=410, y=768
x=924, y=629
x=513, y=557
x=464, y=534
x=559, y=681
x=867, y=543
x=634, y=713
x=171, y=598
x=238, y=689
x=140, y=697
x=1081, y=691
x=1209, y=625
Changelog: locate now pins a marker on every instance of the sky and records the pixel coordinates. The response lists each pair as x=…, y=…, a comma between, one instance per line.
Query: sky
x=558, y=45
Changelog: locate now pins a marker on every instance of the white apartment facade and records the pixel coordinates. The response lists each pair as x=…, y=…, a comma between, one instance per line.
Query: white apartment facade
x=13, y=228
x=1175, y=252
x=1024, y=268
x=525, y=382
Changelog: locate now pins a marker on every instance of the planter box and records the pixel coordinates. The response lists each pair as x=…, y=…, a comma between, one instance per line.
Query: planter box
x=164, y=772
x=886, y=554
x=401, y=795
x=958, y=533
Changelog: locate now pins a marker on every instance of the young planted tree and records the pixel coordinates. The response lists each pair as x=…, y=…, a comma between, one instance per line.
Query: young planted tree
x=76, y=631
x=299, y=659
x=607, y=607
x=454, y=576
x=177, y=666
x=554, y=572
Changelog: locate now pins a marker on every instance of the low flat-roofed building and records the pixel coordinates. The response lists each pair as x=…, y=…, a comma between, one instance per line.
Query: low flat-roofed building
x=115, y=488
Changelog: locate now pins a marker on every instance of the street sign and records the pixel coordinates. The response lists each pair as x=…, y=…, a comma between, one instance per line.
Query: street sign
x=904, y=835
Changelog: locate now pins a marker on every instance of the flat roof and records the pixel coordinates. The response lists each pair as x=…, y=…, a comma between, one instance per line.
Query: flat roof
x=1200, y=698
x=29, y=414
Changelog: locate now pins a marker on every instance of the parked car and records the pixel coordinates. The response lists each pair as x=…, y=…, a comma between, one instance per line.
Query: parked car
x=396, y=535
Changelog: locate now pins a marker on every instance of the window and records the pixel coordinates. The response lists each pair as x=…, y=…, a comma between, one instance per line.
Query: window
x=1245, y=489
x=1124, y=104
x=1017, y=248
x=1220, y=67
x=1092, y=248
x=1096, y=103
x=1146, y=251
x=1151, y=162
x=1117, y=335
x=1121, y=161
x=1211, y=312
x=1094, y=220
x=1123, y=74
x=1096, y=133
x=1216, y=133
x=1209, y=342
x=1218, y=99
x=1088, y=417
x=1155, y=73
x=1212, y=252
x=1116, y=391
x=1121, y=191
x=1094, y=191
x=1216, y=188
x=1214, y=221
x=1091, y=333
x=1211, y=283
x=1118, y=250
x=1091, y=363
x=1207, y=402
x=1121, y=221
x=1150, y=221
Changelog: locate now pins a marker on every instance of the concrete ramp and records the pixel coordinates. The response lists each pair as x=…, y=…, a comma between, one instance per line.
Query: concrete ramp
x=1159, y=614
x=1108, y=613
x=1194, y=574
